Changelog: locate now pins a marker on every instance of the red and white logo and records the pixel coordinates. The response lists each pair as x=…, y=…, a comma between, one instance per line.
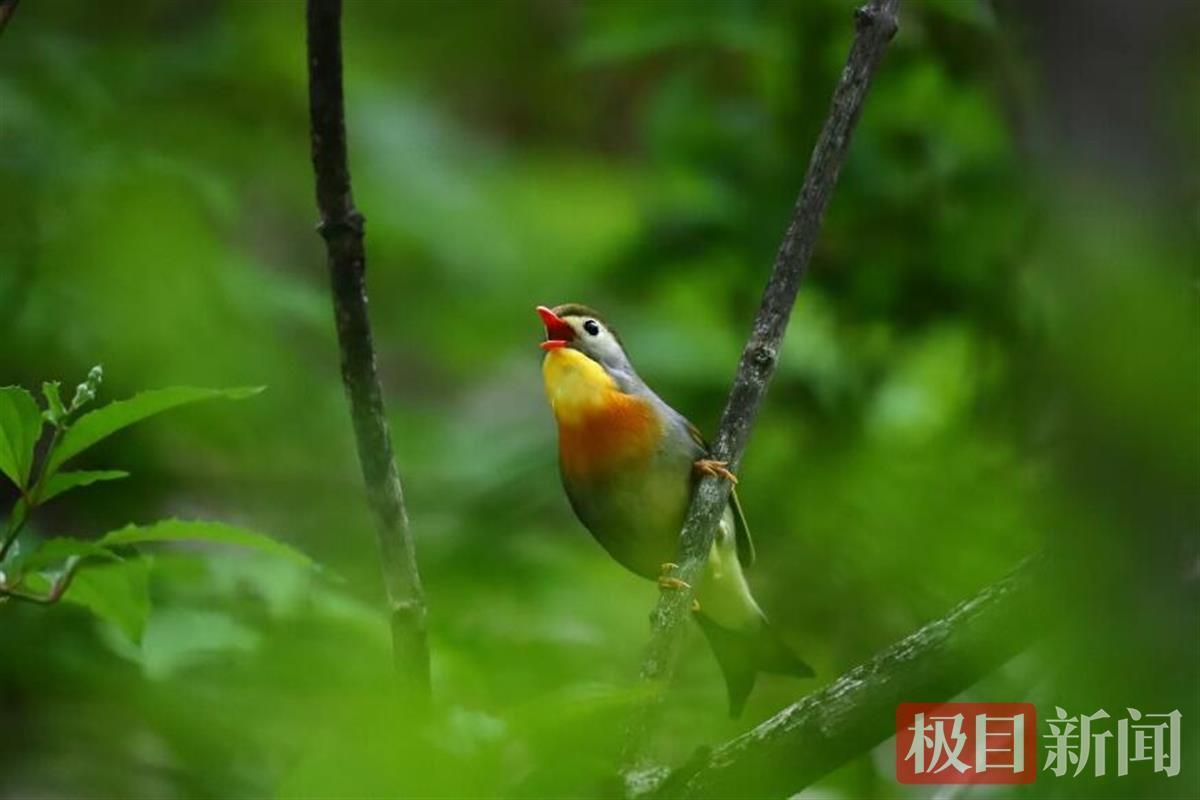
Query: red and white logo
x=966, y=743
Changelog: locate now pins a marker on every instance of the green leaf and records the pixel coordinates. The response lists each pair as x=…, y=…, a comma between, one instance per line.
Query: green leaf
x=56, y=552
x=178, y=530
x=117, y=592
x=55, y=411
x=20, y=428
x=103, y=422
x=64, y=481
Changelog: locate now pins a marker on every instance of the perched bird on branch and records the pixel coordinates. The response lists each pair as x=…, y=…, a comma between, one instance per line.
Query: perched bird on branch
x=629, y=462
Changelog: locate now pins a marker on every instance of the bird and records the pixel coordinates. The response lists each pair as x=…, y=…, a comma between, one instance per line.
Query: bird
x=628, y=462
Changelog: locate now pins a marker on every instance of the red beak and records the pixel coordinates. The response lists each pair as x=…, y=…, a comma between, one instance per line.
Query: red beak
x=558, y=332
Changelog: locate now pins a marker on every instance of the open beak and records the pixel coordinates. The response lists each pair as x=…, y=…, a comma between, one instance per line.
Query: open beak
x=558, y=332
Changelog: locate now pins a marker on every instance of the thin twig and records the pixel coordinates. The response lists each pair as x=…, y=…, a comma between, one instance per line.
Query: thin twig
x=875, y=25
x=816, y=735
x=29, y=498
x=57, y=589
x=7, y=9
x=342, y=228
x=16, y=521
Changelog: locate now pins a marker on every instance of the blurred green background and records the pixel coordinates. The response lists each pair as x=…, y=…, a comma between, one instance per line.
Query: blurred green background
x=997, y=350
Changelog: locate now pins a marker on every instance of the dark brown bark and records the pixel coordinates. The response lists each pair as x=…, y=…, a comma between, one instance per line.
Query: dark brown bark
x=875, y=25
x=7, y=9
x=816, y=735
x=342, y=228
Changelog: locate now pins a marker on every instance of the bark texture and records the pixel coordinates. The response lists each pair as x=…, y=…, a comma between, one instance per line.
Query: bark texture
x=7, y=9
x=875, y=25
x=342, y=228
x=816, y=735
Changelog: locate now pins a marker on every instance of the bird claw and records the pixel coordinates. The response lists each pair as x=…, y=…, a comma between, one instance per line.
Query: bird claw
x=718, y=469
x=666, y=581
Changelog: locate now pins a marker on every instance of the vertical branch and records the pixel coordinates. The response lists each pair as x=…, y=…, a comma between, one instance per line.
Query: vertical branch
x=342, y=228
x=875, y=24
x=7, y=9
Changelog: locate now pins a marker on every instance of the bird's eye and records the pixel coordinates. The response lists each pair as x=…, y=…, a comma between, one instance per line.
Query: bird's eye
x=592, y=327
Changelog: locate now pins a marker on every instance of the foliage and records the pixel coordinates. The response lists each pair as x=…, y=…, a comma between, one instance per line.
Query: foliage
x=106, y=575
x=991, y=354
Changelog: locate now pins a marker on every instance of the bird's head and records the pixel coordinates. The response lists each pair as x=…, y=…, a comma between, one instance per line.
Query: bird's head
x=577, y=327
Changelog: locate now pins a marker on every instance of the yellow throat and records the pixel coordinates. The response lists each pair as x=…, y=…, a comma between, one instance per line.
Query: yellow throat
x=600, y=428
x=576, y=386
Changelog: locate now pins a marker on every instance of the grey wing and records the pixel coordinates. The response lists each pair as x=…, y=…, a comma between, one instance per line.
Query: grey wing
x=745, y=545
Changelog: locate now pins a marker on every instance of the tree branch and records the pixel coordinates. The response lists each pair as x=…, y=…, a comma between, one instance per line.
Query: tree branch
x=342, y=228
x=822, y=731
x=7, y=9
x=875, y=25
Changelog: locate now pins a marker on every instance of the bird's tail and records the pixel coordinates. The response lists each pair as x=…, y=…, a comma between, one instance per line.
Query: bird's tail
x=744, y=654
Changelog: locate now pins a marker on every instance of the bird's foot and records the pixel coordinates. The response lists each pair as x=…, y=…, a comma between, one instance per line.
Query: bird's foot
x=718, y=469
x=667, y=582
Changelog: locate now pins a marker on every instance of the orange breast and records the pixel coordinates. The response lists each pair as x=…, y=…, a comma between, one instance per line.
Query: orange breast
x=621, y=430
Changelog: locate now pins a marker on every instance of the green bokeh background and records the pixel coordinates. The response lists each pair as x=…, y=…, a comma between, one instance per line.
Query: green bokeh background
x=997, y=351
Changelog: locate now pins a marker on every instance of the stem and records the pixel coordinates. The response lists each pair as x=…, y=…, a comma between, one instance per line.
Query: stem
x=7, y=9
x=57, y=590
x=30, y=498
x=822, y=731
x=875, y=25
x=342, y=228
x=15, y=523
x=35, y=493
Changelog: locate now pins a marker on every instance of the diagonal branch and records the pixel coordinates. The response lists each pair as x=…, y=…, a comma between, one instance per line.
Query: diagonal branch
x=816, y=735
x=342, y=228
x=7, y=9
x=875, y=25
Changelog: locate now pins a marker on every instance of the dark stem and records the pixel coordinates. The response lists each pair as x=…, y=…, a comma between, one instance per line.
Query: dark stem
x=29, y=499
x=816, y=735
x=7, y=9
x=875, y=25
x=342, y=228
x=16, y=522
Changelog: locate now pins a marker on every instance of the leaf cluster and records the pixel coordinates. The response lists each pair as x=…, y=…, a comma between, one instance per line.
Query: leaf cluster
x=105, y=574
